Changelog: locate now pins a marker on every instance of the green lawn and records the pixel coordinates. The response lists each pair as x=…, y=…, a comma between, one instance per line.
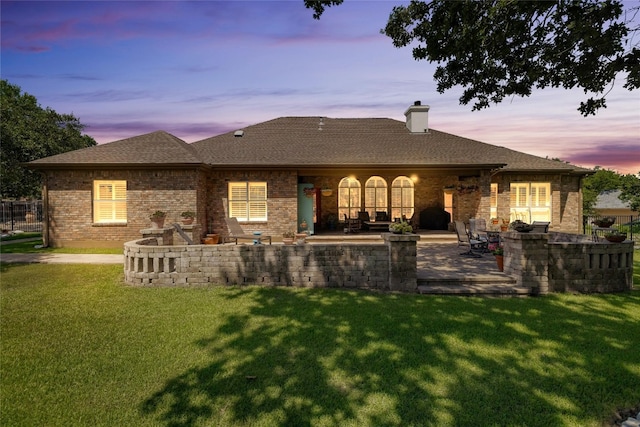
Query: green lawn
x=80, y=348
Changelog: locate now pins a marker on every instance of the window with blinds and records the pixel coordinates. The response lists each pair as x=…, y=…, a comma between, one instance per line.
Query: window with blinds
x=248, y=201
x=493, y=200
x=402, y=197
x=348, y=198
x=531, y=201
x=375, y=195
x=110, y=201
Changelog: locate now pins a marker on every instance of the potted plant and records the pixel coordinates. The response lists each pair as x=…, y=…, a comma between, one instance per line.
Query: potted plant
x=615, y=236
x=604, y=222
x=498, y=252
x=288, y=237
x=157, y=219
x=521, y=226
x=188, y=217
x=402, y=227
x=301, y=237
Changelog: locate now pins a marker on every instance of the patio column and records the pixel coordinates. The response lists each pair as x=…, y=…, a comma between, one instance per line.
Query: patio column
x=526, y=256
x=403, y=271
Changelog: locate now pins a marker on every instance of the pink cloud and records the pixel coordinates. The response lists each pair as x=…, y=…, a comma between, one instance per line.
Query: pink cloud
x=624, y=158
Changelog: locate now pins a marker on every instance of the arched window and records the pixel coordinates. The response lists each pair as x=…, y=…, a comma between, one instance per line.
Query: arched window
x=375, y=196
x=402, y=197
x=348, y=198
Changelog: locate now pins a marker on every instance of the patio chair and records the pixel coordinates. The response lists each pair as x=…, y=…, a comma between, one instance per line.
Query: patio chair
x=540, y=227
x=183, y=234
x=413, y=221
x=478, y=229
x=236, y=233
x=363, y=217
x=476, y=247
x=351, y=225
x=382, y=216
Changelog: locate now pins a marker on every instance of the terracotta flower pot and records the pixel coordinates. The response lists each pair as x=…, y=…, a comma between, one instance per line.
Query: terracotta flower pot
x=211, y=239
x=500, y=262
x=157, y=223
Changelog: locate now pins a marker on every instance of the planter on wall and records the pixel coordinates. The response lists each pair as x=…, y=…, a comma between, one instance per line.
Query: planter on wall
x=157, y=223
x=211, y=239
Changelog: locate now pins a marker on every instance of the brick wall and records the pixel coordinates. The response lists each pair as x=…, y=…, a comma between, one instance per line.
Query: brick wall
x=69, y=199
x=282, y=204
x=388, y=266
x=562, y=262
x=69, y=204
x=566, y=199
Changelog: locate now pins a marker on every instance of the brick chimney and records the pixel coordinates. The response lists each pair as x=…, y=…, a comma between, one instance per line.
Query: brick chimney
x=417, y=118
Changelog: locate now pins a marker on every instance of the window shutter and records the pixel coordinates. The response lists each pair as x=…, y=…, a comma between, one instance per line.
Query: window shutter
x=110, y=201
x=248, y=201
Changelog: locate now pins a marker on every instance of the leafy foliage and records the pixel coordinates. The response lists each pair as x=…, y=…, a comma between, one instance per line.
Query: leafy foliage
x=496, y=49
x=605, y=179
x=631, y=191
x=30, y=132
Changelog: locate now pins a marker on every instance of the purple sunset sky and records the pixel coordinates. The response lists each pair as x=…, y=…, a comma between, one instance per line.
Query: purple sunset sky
x=198, y=69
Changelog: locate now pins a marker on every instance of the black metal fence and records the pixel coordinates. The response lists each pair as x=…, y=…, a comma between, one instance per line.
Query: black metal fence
x=629, y=224
x=21, y=215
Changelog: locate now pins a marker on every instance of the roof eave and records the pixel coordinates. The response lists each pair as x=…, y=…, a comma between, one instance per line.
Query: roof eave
x=84, y=166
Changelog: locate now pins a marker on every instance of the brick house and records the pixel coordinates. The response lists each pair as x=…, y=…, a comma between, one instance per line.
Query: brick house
x=275, y=175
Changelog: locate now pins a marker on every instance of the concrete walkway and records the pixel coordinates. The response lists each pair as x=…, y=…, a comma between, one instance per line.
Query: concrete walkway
x=63, y=258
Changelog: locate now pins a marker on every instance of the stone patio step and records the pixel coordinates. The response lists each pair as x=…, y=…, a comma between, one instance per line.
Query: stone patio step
x=475, y=286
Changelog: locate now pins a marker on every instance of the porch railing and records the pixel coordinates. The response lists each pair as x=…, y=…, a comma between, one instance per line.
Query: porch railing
x=629, y=224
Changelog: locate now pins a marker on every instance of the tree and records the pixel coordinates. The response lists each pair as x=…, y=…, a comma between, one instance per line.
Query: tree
x=593, y=185
x=30, y=132
x=605, y=179
x=631, y=191
x=497, y=49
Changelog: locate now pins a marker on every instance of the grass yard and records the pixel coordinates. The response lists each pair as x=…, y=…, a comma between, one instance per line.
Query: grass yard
x=79, y=348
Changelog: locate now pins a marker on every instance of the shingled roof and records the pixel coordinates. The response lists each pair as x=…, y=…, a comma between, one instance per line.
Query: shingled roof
x=311, y=142
x=382, y=142
x=156, y=148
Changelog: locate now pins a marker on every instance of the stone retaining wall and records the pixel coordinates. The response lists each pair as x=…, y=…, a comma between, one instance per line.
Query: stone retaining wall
x=386, y=266
x=561, y=262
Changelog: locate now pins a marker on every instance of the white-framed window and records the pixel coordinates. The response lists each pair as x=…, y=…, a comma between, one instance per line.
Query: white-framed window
x=531, y=201
x=248, y=201
x=402, y=197
x=348, y=198
x=109, y=201
x=493, y=201
x=375, y=196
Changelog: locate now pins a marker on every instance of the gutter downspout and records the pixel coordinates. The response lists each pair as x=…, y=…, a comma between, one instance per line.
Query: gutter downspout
x=45, y=211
